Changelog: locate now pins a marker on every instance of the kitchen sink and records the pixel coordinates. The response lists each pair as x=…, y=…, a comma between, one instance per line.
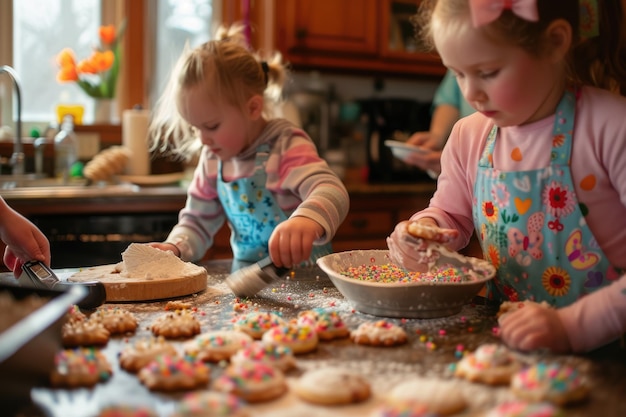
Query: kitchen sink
x=32, y=184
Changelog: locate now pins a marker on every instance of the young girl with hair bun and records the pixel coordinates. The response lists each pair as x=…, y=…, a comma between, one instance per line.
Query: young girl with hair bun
x=538, y=171
x=260, y=174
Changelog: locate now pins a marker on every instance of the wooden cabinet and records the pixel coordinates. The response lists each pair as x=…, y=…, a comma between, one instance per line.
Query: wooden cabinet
x=370, y=36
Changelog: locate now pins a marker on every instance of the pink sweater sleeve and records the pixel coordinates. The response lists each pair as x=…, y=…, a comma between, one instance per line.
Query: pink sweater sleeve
x=596, y=319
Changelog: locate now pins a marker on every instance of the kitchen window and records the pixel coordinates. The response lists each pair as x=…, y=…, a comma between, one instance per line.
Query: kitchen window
x=32, y=32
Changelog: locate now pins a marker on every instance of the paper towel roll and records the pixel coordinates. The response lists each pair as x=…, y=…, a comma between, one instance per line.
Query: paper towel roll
x=135, y=138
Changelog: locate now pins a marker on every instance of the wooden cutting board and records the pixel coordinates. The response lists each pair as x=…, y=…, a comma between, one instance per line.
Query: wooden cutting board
x=120, y=288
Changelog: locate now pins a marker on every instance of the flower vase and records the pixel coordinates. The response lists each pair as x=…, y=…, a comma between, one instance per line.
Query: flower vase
x=105, y=111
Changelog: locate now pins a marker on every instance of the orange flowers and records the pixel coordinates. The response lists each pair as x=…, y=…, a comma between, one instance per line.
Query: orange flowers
x=96, y=75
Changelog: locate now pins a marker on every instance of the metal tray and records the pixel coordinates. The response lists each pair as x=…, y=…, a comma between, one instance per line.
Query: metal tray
x=28, y=347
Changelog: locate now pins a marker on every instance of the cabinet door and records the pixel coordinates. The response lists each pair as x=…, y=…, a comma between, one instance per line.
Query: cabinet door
x=398, y=32
x=331, y=26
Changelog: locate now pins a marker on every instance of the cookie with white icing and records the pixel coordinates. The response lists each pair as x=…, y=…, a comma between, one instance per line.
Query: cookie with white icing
x=134, y=357
x=176, y=325
x=327, y=324
x=332, y=386
x=271, y=354
x=402, y=409
x=81, y=367
x=300, y=339
x=440, y=396
x=379, y=333
x=82, y=331
x=211, y=404
x=553, y=382
x=257, y=322
x=252, y=381
x=174, y=373
x=217, y=345
x=491, y=363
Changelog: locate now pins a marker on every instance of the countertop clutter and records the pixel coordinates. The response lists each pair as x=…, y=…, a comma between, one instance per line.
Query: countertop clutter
x=431, y=352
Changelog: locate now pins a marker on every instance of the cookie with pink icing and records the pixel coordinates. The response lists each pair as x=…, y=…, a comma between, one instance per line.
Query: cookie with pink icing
x=491, y=363
x=379, y=333
x=217, y=345
x=252, y=381
x=211, y=404
x=272, y=354
x=552, y=382
x=257, y=322
x=525, y=409
x=174, y=373
x=300, y=339
x=327, y=324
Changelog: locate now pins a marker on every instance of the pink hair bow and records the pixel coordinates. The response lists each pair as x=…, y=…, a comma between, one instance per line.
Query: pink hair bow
x=486, y=11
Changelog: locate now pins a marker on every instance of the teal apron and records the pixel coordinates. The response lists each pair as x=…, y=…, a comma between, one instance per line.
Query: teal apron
x=532, y=227
x=253, y=213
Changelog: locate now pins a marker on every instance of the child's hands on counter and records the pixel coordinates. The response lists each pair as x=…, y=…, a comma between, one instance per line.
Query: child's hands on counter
x=413, y=244
x=292, y=241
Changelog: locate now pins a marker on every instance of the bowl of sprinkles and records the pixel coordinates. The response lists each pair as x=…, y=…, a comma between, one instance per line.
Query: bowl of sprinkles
x=374, y=284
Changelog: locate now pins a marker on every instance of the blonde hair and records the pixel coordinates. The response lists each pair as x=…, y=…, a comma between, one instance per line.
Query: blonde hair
x=228, y=71
x=599, y=61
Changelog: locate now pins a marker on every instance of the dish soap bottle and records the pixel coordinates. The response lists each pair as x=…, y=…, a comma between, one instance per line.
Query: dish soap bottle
x=65, y=150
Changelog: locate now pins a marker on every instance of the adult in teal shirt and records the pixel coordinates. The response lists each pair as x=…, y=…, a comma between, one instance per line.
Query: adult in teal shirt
x=449, y=105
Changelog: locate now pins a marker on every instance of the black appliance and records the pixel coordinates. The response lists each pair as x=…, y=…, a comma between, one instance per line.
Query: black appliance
x=386, y=117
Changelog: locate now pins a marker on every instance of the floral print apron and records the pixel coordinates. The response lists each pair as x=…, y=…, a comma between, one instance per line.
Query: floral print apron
x=532, y=227
x=253, y=212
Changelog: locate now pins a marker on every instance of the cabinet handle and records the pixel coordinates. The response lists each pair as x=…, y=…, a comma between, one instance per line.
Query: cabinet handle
x=359, y=223
x=301, y=33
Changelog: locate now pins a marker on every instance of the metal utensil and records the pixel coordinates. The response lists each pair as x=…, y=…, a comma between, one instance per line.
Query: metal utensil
x=251, y=279
x=36, y=274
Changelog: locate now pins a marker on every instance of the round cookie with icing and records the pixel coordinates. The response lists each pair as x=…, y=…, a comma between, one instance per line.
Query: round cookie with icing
x=252, y=381
x=81, y=367
x=217, y=345
x=300, y=339
x=134, y=357
x=173, y=373
x=211, y=404
x=439, y=396
x=553, y=382
x=271, y=354
x=379, y=333
x=332, y=386
x=491, y=363
x=82, y=331
x=176, y=325
x=257, y=322
x=115, y=319
x=327, y=324
x=525, y=409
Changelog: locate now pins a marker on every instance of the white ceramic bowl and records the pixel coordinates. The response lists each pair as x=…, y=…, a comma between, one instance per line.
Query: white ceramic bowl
x=403, y=300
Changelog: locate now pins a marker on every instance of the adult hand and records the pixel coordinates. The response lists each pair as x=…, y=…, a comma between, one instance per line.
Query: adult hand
x=533, y=327
x=291, y=241
x=24, y=241
x=428, y=158
x=417, y=249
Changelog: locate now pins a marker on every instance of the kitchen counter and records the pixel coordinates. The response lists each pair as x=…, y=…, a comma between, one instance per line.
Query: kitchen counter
x=430, y=352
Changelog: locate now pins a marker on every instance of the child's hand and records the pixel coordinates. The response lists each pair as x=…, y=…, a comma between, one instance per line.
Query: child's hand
x=534, y=327
x=165, y=247
x=292, y=241
x=413, y=244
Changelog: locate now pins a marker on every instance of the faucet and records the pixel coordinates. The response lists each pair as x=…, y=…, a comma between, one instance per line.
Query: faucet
x=17, y=159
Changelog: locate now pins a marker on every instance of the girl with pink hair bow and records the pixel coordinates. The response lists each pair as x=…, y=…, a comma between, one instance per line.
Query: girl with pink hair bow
x=538, y=171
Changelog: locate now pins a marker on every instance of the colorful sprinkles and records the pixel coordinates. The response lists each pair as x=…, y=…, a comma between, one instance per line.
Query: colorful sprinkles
x=393, y=274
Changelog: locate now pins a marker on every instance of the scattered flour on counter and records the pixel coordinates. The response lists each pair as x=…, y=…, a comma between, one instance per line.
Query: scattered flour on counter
x=146, y=262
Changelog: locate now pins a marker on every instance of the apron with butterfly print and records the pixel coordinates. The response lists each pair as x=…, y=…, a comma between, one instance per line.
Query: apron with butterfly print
x=532, y=228
x=253, y=213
